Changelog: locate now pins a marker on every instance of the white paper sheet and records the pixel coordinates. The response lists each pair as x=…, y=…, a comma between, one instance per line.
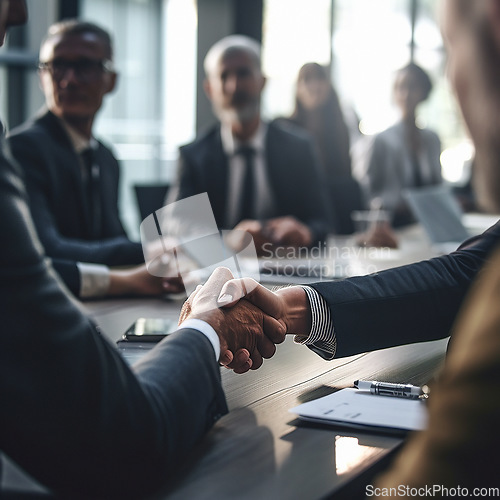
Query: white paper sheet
x=353, y=408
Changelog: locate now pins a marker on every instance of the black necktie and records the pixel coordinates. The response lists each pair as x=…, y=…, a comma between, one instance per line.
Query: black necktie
x=248, y=190
x=92, y=191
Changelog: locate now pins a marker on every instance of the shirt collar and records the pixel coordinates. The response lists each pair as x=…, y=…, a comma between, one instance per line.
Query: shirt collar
x=79, y=142
x=230, y=144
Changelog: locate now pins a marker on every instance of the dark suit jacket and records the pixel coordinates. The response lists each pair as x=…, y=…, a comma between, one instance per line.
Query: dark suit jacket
x=408, y=304
x=58, y=203
x=464, y=408
x=72, y=412
x=292, y=166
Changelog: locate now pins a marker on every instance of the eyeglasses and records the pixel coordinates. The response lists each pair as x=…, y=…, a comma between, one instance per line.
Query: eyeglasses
x=86, y=70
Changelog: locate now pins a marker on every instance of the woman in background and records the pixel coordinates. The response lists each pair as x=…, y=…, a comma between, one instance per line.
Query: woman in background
x=317, y=109
x=404, y=155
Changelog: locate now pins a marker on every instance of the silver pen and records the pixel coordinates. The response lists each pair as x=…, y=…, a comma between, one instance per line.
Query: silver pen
x=388, y=389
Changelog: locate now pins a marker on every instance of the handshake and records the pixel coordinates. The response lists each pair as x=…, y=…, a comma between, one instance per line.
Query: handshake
x=248, y=318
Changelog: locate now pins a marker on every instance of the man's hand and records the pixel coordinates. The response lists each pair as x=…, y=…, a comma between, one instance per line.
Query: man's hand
x=134, y=281
x=246, y=334
x=288, y=231
x=284, y=231
x=290, y=305
x=253, y=227
x=379, y=235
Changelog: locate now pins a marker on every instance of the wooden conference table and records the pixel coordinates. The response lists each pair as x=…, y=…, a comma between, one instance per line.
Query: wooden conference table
x=260, y=450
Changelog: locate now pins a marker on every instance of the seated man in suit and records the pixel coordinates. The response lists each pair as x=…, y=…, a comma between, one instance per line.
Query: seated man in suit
x=72, y=412
x=259, y=176
x=71, y=177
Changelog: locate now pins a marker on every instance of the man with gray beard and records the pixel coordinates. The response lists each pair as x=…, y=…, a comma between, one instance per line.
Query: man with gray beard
x=260, y=177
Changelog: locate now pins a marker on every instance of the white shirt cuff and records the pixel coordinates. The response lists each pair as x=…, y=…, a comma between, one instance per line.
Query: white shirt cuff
x=207, y=330
x=94, y=280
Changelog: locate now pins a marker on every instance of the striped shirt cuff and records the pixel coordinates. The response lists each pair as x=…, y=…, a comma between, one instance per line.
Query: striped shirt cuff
x=321, y=338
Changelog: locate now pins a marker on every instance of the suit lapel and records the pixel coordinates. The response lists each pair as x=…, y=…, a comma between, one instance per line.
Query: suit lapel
x=217, y=179
x=73, y=164
x=276, y=156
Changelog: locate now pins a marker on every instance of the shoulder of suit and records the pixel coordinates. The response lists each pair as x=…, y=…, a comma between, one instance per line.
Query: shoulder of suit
x=430, y=134
x=286, y=127
x=392, y=137
x=205, y=139
x=103, y=146
x=284, y=131
x=28, y=128
x=42, y=125
x=394, y=131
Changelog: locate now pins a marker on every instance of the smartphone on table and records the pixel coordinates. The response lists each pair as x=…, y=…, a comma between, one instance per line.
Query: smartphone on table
x=142, y=336
x=149, y=330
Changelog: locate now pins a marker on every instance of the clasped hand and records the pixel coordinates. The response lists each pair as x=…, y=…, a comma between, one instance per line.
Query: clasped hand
x=284, y=231
x=246, y=334
x=248, y=318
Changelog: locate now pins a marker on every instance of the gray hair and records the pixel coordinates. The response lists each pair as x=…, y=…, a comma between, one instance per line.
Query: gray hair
x=77, y=27
x=228, y=44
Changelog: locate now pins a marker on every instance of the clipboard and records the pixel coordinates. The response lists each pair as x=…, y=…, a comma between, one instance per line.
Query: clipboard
x=354, y=409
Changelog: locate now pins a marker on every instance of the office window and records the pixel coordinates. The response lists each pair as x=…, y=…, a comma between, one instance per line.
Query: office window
x=152, y=110
x=371, y=40
x=368, y=40
x=294, y=33
x=20, y=94
x=442, y=112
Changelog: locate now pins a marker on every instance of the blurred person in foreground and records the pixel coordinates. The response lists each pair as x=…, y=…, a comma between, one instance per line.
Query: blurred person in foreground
x=420, y=302
x=73, y=411
x=260, y=177
x=459, y=447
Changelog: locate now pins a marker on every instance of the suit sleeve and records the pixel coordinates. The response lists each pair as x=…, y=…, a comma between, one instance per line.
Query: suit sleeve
x=404, y=305
x=464, y=408
x=73, y=414
x=69, y=273
x=113, y=251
